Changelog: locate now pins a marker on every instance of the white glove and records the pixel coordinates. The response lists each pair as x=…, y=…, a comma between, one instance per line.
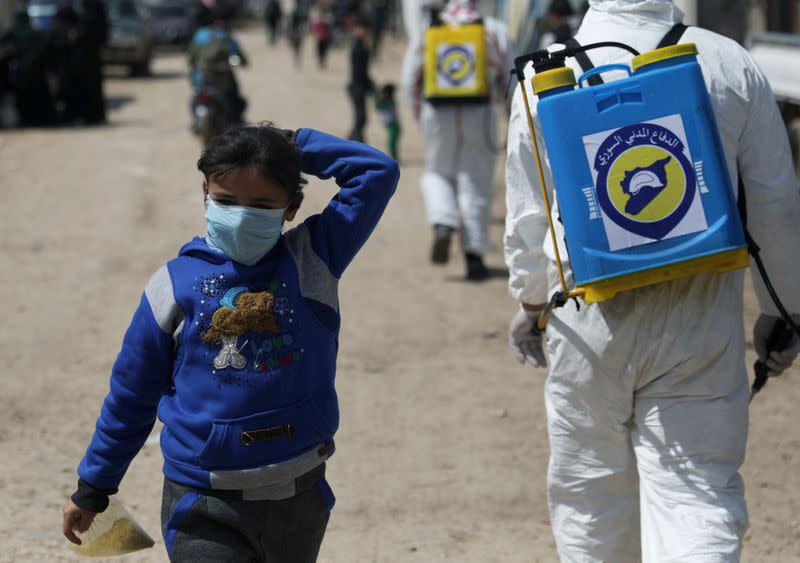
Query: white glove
x=526, y=339
x=779, y=360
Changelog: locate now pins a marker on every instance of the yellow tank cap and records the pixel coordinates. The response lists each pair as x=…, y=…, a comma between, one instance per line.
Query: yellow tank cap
x=554, y=78
x=663, y=54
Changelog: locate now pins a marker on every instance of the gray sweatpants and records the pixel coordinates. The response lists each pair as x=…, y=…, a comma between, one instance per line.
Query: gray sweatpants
x=218, y=526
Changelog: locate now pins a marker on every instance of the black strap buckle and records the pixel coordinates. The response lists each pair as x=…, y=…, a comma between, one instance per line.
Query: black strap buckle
x=250, y=437
x=325, y=449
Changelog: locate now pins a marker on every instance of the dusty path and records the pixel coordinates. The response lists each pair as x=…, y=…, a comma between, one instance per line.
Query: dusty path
x=442, y=448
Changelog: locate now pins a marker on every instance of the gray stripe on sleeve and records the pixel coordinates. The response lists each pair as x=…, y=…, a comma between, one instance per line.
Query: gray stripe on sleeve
x=316, y=280
x=166, y=311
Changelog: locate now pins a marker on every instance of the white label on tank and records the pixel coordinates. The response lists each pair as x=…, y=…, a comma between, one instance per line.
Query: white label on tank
x=645, y=182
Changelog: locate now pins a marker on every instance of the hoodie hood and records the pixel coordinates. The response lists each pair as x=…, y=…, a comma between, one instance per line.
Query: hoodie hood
x=202, y=248
x=198, y=247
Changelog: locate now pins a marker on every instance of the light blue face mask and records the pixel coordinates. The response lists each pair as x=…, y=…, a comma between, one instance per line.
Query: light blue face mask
x=243, y=234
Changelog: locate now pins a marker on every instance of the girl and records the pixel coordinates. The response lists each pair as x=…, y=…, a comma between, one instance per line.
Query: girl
x=234, y=347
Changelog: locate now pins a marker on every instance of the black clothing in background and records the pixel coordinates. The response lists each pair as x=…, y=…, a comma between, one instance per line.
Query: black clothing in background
x=92, y=38
x=378, y=17
x=323, y=45
x=64, y=62
x=359, y=64
x=295, y=35
x=359, y=87
x=25, y=51
x=273, y=13
x=77, y=42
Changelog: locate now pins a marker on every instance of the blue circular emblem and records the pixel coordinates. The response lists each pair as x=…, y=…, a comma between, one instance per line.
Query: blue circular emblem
x=456, y=64
x=645, y=182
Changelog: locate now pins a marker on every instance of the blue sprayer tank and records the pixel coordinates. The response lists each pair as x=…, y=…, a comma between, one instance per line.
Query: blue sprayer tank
x=642, y=185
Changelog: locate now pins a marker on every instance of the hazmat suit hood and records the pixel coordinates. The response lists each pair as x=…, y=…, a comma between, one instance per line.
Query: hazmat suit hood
x=649, y=9
x=461, y=12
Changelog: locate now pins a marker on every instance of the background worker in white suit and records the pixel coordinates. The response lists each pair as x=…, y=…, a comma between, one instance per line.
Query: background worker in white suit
x=647, y=393
x=460, y=144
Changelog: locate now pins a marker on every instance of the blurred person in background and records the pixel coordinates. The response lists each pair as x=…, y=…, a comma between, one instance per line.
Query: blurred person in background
x=378, y=16
x=322, y=31
x=341, y=11
x=560, y=19
x=460, y=137
x=360, y=85
x=202, y=15
x=93, y=37
x=386, y=106
x=295, y=33
x=210, y=55
x=8, y=113
x=64, y=62
x=75, y=60
x=273, y=14
x=23, y=73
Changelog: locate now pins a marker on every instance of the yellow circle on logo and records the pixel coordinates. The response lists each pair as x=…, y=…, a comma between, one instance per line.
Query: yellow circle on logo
x=646, y=184
x=457, y=65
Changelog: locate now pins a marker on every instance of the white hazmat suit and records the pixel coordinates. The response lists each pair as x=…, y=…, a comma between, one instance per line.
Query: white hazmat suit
x=647, y=392
x=460, y=140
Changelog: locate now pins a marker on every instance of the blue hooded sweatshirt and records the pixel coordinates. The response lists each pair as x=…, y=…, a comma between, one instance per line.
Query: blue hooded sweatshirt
x=239, y=361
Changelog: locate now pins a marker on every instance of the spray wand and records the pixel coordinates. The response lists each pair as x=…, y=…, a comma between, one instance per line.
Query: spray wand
x=545, y=60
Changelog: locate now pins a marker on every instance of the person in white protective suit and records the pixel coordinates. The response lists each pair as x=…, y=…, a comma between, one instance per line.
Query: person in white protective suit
x=647, y=395
x=460, y=145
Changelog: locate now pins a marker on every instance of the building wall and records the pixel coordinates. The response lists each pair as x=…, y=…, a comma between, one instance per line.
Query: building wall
x=782, y=15
x=739, y=18
x=728, y=17
x=7, y=9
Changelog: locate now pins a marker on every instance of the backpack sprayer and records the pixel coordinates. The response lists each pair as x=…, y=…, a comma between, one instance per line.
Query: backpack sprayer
x=643, y=187
x=456, y=68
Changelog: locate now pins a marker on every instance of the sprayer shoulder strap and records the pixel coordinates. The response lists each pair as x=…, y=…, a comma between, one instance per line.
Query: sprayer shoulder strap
x=584, y=61
x=671, y=38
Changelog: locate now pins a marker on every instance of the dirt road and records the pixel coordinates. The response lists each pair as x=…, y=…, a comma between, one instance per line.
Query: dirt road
x=442, y=449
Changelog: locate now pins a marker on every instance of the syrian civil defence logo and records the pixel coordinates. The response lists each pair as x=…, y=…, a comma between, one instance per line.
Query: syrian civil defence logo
x=456, y=65
x=645, y=182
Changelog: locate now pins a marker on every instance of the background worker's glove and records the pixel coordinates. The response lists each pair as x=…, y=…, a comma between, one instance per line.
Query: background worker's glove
x=526, y=339
x=777, y=360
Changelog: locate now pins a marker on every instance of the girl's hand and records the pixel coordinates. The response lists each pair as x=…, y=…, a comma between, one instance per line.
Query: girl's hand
x=76, y=518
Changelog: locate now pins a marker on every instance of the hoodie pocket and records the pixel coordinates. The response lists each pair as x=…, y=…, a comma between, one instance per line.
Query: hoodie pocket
x=264, y=438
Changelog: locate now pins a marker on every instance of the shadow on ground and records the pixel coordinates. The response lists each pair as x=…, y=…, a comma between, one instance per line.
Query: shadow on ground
x=494, y=274
x=114, y=103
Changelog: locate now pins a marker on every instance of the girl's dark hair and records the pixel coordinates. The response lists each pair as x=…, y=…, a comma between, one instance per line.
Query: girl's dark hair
x=264, y=146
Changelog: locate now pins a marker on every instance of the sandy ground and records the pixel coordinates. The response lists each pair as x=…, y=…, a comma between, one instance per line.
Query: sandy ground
x=442, y=450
